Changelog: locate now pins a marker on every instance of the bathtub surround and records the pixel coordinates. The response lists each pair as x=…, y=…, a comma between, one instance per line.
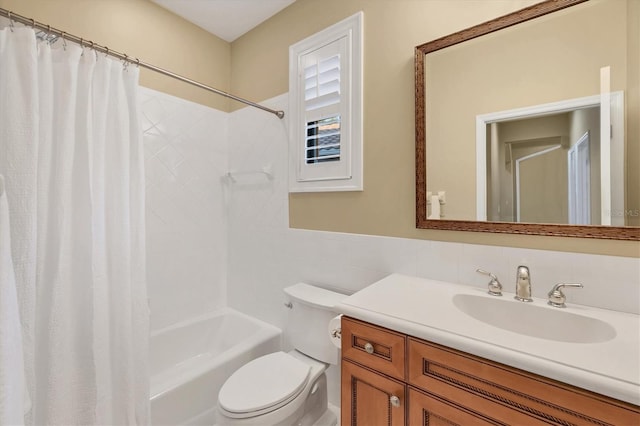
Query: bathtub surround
x=185, y=159
x=72, y=157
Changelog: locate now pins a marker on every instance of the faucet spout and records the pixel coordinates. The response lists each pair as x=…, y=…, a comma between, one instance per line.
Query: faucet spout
x=523, y=285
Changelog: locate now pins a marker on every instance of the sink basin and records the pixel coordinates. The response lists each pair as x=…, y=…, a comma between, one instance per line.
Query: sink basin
x=535, y=321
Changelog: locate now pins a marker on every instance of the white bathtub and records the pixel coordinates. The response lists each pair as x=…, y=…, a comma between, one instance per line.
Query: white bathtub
x=190, y=361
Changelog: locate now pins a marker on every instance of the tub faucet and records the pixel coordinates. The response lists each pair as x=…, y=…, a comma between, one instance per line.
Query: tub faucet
x=523, y=285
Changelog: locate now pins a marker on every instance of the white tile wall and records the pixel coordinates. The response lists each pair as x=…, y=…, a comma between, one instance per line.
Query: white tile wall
x=185, y=158
x=265, y=256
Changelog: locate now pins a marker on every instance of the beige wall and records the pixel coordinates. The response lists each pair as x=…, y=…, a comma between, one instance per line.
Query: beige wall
x=144, y=30
x=259, y=63
x=542, y=198
x=527, y=137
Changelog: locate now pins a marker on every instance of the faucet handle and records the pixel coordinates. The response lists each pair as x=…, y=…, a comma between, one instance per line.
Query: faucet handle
x=557, y=297
x=495, y=288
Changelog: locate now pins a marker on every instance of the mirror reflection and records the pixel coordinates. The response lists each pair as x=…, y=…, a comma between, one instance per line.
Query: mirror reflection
x=538, y=122
x=545, y=164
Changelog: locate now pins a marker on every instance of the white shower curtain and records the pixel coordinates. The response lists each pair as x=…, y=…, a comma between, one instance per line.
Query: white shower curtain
x=71, y=152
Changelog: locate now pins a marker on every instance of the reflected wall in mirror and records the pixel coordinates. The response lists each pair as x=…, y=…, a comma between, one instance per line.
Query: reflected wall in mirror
x=529, y=123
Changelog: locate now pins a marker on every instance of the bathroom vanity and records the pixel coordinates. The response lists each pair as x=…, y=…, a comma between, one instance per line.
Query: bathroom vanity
x=412, y=355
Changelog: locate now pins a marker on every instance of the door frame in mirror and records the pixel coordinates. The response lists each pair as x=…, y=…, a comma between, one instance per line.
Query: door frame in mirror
x=535, y=111
x=586, y=231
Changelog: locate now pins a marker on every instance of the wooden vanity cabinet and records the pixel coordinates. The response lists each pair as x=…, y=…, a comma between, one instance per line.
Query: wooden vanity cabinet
x=437, y=385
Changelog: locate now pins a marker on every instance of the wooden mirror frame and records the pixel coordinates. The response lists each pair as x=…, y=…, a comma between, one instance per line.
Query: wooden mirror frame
x=583, y=231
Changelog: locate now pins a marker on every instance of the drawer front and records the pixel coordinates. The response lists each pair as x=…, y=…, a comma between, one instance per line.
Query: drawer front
x=489, y=387
x=374, y=347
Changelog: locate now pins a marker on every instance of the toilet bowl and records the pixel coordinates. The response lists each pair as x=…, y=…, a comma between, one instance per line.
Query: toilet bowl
x=276, y=389
x=287, y=388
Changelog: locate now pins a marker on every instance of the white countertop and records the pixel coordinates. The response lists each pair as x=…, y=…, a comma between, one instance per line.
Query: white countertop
x=423, y=308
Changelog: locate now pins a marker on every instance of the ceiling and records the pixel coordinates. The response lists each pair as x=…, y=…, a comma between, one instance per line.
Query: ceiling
x=227, y=19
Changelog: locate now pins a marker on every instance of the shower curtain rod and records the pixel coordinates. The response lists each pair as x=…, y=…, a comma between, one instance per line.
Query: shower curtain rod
x=14, y=17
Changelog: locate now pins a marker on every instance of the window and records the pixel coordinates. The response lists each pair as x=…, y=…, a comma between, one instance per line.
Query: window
x=325, y=98
x=323, y=140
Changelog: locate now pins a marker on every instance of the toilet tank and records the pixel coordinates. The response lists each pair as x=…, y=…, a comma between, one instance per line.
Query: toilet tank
x=308, y=321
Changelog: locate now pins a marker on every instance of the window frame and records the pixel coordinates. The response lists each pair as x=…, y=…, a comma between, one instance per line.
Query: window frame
x=329, y=175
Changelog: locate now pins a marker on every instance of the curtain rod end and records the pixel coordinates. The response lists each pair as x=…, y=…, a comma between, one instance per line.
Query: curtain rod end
x=280, y=114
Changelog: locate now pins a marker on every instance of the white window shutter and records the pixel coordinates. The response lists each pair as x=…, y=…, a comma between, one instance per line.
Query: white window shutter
x=324, y=74
x=326, y=101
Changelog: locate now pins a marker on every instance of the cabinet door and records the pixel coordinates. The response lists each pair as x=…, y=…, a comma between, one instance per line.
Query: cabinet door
x=369, y=399
x=427, y=410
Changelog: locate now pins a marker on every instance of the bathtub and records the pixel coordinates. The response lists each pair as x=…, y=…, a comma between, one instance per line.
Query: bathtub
x=190, y=361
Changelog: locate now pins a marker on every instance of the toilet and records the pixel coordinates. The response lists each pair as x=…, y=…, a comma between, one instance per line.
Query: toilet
x=288, y=388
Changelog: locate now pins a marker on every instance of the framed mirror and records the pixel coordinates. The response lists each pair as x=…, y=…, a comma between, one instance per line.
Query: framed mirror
x=529, y=123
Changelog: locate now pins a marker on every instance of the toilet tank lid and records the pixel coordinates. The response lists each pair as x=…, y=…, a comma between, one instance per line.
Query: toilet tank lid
x=314, y=296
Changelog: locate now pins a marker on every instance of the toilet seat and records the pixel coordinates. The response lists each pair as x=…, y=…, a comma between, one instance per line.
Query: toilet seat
x=263, y=385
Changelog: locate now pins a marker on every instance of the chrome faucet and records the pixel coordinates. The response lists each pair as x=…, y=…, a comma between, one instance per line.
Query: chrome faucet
x=495, y=288
x=557, y=297
x=523, y=285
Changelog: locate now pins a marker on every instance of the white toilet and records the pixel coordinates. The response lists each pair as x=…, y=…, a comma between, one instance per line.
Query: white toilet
x=288, y=388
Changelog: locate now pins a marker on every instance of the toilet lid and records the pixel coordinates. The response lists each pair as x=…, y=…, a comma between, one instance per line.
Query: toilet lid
x=266, y=382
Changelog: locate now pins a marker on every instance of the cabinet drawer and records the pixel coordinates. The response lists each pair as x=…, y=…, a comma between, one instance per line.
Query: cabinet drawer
x=497, y=390
x=374, y=347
